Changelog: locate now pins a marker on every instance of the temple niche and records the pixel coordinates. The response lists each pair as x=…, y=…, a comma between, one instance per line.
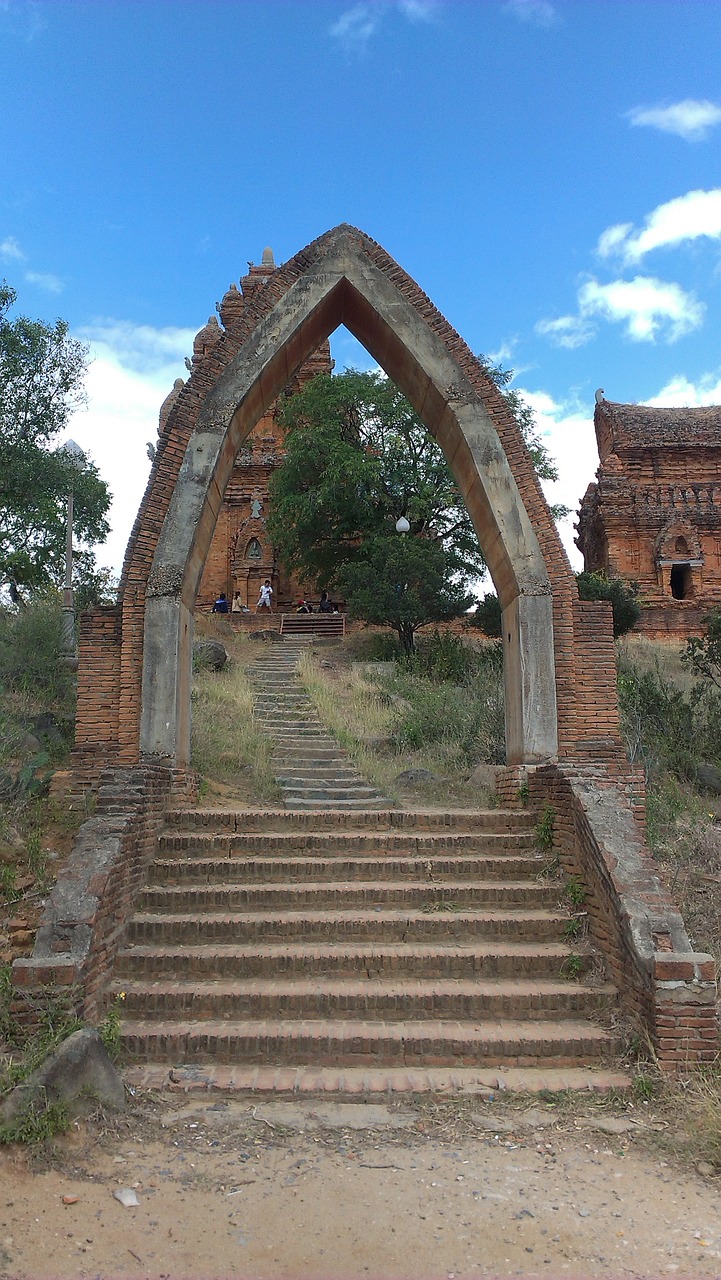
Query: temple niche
x=241, y=555
x=654, y=513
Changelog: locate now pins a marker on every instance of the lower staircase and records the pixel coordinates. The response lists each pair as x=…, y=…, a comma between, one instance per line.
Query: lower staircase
x=358, y=952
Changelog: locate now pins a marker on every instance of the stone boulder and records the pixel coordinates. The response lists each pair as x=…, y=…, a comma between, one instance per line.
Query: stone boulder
x=416, y=777
x=210, y=655
x=81, y=1067
x=708, y=778
x=484, y=776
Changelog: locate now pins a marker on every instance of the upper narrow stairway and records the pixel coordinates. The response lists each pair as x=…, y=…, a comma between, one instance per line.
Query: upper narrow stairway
x=313, y=772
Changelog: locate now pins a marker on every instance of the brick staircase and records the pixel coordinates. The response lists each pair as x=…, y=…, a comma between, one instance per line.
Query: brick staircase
x=317, y=625
x=313, y=772
x=357, y=951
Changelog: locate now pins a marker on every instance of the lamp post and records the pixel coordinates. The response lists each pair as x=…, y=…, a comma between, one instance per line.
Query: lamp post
x=402, y=526
x=73, y=453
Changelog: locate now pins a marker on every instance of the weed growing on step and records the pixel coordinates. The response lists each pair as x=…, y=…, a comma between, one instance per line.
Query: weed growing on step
x=575, y=891
x=545, y=829
x=572, y=966
x=109, y=1028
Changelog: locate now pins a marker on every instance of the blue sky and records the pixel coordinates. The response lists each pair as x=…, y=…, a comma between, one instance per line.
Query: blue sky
x=547, y=170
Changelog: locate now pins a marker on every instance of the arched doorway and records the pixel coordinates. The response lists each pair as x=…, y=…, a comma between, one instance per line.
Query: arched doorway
x=559, y=663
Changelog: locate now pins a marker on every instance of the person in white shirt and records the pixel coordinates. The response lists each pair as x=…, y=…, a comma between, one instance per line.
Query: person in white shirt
x=265, y=599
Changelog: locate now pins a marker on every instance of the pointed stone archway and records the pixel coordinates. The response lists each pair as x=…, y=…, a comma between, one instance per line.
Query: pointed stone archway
x=558, y=652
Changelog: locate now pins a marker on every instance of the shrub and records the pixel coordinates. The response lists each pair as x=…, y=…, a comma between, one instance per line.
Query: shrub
x=621, y=595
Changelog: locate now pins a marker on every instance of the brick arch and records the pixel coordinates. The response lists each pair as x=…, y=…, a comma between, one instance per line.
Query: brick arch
x=559, y=664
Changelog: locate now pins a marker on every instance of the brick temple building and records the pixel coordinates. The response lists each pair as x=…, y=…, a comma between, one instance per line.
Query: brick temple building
x=654, y=514
x=241, y=556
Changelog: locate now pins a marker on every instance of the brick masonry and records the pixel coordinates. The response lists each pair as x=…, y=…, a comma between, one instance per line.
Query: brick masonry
x=653, y=515
x=89, y=907
x=667, y=988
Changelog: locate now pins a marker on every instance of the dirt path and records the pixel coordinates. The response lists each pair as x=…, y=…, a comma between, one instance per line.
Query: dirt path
x=328, y=1190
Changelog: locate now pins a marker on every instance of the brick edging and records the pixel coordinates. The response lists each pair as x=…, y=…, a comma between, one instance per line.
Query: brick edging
x=90, y=905
x=668, y=988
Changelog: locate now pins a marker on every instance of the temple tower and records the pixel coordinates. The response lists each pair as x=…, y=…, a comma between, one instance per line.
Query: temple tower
x=654, y=514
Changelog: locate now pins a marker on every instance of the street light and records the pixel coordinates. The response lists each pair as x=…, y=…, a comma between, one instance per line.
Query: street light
x=402, y=526
x=74, y=454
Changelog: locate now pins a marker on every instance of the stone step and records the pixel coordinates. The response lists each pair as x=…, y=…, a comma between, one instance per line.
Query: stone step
x=256, y=870
x=465, y=958
x=349, y=843
x=291, y=771
x=504, y=1043
x=352, y=791
x=428, y=820
x=392, y=1000
x=317, y=805
x=312, y=1081
x=348, y=895
x=468, y=926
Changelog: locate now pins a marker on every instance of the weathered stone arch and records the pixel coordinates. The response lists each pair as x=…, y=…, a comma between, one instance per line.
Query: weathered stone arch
x=560, y=672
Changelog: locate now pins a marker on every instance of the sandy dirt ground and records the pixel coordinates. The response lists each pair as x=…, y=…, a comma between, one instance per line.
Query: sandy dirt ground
x=328, y=1191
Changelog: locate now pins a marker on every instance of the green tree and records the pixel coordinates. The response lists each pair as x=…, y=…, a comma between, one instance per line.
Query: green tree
x=357, y=458
x=622, y=596
x=703, y=653
x=42, y=371
x=404, y=583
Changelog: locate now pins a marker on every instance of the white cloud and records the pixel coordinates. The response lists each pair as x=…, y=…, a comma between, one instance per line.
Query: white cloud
x=648, y=307
x=541, y=13
x=45, y=280
x=679, y=392
x=690, y=119
x=11, y=251
x=567, y=331
x=355, y=27
x=133, y=369
x=140, y=347
x=567, y=431
x=612, y=239
x=419, y=10
x=689, y=217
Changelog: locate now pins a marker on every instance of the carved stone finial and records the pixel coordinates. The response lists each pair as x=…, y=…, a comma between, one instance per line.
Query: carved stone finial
x=268, y=260
x=231, y=307
x=168, y=404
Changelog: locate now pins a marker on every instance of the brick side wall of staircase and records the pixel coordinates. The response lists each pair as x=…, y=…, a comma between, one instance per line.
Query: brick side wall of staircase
x=668, y=988
x=95, y=895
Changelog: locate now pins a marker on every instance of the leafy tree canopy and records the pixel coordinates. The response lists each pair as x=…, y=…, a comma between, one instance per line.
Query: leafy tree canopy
x=357, y=458
x=404, y=583
x=42, y=371
x=702, y=654
x=622, y=596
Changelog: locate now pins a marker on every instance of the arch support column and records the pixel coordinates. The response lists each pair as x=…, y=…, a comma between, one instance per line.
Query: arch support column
x=529, y=679
x=167, y=677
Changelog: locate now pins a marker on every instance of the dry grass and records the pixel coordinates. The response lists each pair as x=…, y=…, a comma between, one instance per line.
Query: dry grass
x=352, y=700
x=230, y=752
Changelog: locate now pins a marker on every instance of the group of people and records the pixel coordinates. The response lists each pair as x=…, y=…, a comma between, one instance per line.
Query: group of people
x=265, y=601
x=325, y=605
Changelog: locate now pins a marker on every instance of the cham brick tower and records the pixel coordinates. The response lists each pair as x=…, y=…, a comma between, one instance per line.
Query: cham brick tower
x=241, y=555
x=654, y=514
